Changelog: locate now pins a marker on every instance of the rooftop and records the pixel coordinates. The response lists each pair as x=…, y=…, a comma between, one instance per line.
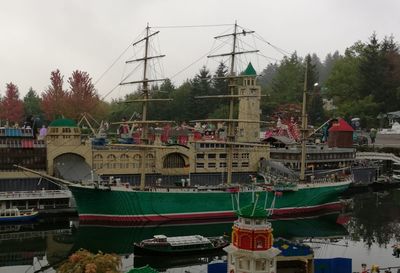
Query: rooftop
x=63, y=122
x=341, y=126
x=250, y=71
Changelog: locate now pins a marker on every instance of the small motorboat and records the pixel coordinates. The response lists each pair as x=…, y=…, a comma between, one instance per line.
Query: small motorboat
x=193, y=244
x=16, y=215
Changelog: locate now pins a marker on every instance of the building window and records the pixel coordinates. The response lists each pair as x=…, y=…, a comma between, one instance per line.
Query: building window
x=235, y=156
x=245, y=155
x=111, y=161
x=222, y=164
x=261, y=265
x=245, y=164
x=234, y=164
x=212, y=156
x=199, y=165
x=124, y=161
x=222, y=155
x=200, y=156
x=211, y=165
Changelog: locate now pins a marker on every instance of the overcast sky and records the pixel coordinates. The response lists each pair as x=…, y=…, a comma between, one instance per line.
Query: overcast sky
x=37, y=37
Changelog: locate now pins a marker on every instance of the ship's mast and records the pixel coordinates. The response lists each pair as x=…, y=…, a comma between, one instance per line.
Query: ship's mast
x=145, y=99
x=232, y=96
x=304, y=129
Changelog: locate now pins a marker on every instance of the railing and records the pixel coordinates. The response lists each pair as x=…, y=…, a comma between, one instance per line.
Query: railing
x=377, y=156
x=43, y=194
x=16, y=132
x=22, y=143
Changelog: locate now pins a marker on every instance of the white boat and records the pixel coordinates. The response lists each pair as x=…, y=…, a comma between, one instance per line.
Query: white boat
x=16, y=215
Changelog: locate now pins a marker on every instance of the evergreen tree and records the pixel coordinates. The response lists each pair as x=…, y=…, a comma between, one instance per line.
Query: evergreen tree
x=161, y=110
x=318, y=66
x=219, y=81
x=316, y=113
x=372, y=70
x=391, y=85
x=327, y=66
x=343, y=83
x=32, y=104
x=315, y=104
x=201, y=86
x=312, y=73
x=287, y=84
x=267, y=75
x=180, y=106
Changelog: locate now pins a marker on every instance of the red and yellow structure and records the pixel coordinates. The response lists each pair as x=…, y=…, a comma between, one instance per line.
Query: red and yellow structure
x=251, y=250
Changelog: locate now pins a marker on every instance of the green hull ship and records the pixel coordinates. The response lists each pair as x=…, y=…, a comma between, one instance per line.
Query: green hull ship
x=121, y=204
x=238, y=152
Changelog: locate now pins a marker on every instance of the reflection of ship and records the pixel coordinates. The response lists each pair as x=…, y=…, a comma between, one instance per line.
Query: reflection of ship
x=120, y=239
x=20, y=244
x=318, y=227
x=162, y=263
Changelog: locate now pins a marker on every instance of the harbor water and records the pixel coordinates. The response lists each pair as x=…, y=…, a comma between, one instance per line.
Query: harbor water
x=365, y=234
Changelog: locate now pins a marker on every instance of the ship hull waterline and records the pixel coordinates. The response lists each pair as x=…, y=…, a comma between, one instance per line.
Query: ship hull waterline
x=127, y=205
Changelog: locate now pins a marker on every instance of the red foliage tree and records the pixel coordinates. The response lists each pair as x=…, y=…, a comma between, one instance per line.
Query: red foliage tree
x=83, y=96
x=55, y=98
x=12, y=107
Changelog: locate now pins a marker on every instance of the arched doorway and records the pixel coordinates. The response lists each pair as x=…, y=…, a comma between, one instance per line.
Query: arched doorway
x=72, y=167
x=174, y=160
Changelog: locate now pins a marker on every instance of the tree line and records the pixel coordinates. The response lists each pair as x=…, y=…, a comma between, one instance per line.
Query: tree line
x=363, y=82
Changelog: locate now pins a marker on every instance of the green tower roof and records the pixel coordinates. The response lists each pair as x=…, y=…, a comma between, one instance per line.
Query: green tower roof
x=144, y=269
x=63, y=122
x=252, y=211
x=250, y=71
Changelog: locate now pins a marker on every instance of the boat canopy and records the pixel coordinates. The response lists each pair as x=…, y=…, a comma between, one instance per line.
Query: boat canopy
x=187, y=240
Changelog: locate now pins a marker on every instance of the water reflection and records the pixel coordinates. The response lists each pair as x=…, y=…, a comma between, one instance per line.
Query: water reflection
x=21, y=244
x=372, y=226
x=376, y=218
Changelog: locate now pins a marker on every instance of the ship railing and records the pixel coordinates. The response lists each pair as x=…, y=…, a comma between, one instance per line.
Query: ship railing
x=267, y=225
x=41, y=194
x=22, y=143
x=377, y=156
